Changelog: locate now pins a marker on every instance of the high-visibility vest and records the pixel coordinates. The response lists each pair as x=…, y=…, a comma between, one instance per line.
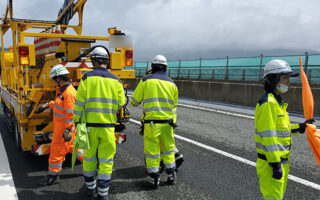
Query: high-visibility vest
x=273, y=129
x=159, y=95
x=100, y=94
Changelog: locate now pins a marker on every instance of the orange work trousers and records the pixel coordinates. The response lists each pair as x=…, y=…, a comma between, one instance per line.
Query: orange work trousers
x=58, y=152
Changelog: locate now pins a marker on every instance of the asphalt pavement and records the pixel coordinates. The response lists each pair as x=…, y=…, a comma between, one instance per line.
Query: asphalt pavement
x=205, y=174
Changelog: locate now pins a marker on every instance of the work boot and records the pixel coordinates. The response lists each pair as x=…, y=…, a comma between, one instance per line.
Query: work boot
x=103, y=197
x=172, y=178
x=49, y=180
x=92, y=192
x=155, y=181
x=179, y=159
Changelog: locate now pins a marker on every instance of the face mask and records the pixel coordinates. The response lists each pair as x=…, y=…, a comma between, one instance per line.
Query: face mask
x=282, y=88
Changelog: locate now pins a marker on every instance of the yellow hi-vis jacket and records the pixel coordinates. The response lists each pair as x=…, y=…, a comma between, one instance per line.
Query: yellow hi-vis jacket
x=100, y=94
x=273, y=129
x=159, y=95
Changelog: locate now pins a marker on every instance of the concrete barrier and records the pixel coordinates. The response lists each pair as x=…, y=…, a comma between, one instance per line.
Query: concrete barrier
x=240, y=93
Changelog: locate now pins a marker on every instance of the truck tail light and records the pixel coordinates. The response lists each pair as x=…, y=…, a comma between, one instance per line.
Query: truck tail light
x=24, y=60
x=24, y=50
x=129, y=58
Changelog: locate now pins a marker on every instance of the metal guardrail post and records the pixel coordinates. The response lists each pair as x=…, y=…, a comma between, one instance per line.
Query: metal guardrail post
x=227, y=69
x=188, y=74
x=147, y=67
x=306, y=60
x=199, y=76
x=139, y=72
x=260, y=67
x=169, y=72
x=179, y=66
x=309, y=75
x=212, y=74
x=243, y=74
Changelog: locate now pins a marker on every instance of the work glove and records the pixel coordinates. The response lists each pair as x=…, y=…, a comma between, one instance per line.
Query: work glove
x=277, y=170
x=42, y=108
x=302, y=126
x=67, y=135
x=141, y=129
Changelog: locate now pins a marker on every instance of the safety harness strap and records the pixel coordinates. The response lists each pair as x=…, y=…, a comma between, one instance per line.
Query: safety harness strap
x=60, y=96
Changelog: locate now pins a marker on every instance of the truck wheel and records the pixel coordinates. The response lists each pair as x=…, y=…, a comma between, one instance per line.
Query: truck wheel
x=17, y=136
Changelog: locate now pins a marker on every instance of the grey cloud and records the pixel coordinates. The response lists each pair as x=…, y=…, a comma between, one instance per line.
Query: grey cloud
x=194, y=28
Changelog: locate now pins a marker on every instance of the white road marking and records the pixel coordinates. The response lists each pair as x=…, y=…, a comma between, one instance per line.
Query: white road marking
x=7, y=188
x=216, y=111
x=212, y=110
x=243, y=160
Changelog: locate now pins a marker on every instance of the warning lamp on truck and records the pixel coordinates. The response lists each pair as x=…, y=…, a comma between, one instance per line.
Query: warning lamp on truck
x=24, y=60
x=129, y=57
x=24, y=55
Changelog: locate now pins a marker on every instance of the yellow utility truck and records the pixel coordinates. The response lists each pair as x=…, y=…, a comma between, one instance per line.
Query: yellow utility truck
x=25, y=67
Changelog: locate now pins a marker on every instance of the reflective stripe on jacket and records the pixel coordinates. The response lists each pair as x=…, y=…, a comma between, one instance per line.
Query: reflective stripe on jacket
x=62, y=108
x=272, y=128
x=159, y=95
x=101, y=94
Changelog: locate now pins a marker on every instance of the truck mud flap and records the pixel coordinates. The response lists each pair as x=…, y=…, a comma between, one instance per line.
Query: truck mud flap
x=42, y=149
x=120, y=137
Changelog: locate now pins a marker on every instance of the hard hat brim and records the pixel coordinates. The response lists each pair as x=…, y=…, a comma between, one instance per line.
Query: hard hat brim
x=292, y=74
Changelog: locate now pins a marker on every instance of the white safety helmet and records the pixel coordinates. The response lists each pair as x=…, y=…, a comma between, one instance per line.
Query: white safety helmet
x=159, y=59
x=278, y=66
x=99, y=52
x=58, y=70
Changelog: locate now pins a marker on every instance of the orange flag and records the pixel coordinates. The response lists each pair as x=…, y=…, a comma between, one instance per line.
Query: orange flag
x=313, y=133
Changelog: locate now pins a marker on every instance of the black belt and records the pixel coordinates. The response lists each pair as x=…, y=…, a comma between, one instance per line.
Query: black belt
x=100, y=125
x=158, y=121
x=263, y=157
x=169, y=121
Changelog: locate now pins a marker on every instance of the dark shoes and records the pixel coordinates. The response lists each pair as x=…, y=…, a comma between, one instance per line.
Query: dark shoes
x=179, y=159
x=155, y=181
x=172, y=178
x=103, y=197
x=49, y=180
x=92, y=192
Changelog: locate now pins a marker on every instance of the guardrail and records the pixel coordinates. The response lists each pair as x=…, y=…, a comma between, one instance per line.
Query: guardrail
x=242, y=69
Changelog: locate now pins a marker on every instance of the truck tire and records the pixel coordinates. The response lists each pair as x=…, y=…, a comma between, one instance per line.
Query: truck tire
x=17, y=137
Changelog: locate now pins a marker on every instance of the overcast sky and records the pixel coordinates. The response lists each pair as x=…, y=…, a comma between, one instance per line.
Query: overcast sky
x=190, y=29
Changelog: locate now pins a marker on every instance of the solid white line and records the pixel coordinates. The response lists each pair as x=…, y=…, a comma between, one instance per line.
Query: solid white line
x=212, y=110
x=216, y=111
x=7, y=188
x=243, y=160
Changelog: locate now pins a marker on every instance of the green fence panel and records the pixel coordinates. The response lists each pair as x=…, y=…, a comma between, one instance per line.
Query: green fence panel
x=244, y=68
